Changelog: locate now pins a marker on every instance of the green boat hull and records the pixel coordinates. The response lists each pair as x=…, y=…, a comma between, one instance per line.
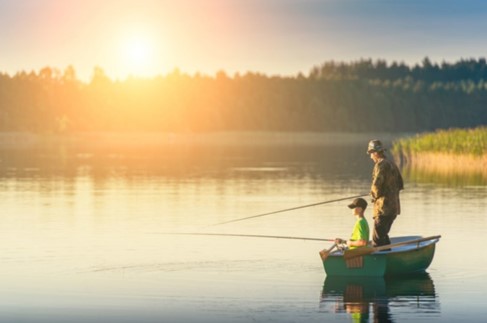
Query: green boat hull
x=407, y=262
x=402, y=261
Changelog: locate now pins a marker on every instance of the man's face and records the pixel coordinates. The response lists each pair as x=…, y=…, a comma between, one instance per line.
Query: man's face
x=374, y=156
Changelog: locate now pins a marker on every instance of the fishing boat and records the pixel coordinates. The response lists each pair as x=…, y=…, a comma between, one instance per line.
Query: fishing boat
x=405, y=255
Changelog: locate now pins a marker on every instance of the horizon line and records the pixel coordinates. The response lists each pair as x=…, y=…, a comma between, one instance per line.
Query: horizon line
x=179, y=70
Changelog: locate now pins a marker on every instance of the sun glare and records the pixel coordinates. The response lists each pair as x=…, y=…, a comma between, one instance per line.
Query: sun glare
x=138, y=51
x=138, y=54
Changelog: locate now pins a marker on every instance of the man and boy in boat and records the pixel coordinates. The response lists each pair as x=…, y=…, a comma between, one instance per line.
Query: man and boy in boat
x=387, y=182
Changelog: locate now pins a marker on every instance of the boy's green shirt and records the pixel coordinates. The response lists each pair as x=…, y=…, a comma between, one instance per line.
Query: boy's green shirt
x=360, y=231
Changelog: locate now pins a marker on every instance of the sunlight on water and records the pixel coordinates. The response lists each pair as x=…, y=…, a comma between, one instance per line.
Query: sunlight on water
x=84, y=235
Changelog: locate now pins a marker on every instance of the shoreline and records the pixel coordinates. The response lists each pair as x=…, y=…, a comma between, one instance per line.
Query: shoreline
x=25, y=140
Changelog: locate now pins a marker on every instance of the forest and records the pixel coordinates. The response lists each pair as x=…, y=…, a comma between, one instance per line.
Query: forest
x=362, y=96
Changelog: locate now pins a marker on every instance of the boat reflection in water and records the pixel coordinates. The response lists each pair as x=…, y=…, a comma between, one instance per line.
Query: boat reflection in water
x=381, y=299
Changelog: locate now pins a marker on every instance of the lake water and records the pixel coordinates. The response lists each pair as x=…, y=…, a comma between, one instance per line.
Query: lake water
x=84, y=220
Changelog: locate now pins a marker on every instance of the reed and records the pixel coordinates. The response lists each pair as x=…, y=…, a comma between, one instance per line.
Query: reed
x=445, y=152
x=452, y=141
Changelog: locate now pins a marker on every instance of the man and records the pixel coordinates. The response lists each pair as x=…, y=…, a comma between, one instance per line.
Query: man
x=360, y=233
x=386, y=184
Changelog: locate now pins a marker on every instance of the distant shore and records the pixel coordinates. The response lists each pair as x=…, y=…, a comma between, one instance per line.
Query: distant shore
x=153, y=139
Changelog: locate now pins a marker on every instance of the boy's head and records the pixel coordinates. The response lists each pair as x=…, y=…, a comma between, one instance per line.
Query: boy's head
x=358, y=203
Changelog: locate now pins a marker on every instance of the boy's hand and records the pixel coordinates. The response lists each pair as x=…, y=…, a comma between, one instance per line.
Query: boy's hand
x=340, y=241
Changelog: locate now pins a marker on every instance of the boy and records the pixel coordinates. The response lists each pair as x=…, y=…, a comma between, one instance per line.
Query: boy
x=360, y=233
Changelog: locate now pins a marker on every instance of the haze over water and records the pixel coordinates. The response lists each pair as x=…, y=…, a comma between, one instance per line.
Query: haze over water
x=83, y=225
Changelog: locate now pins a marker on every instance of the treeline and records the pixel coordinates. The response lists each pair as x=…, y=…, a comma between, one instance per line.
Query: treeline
x=463, y=70
x=358, y=96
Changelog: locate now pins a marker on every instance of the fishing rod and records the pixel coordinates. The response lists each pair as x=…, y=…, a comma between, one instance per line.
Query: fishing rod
x=245, y=235
x=291, y=209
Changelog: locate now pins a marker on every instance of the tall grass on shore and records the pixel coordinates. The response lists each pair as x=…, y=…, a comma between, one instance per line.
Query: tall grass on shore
x=445, y=152
x=452, y=141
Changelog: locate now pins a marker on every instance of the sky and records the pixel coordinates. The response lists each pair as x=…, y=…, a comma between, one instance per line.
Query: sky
x=274, y=37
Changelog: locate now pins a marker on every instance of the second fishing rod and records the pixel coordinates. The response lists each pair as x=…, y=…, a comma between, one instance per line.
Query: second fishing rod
x=291, y=209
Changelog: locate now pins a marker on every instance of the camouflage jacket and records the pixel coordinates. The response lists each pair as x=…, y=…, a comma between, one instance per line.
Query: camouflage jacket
x=386, y=184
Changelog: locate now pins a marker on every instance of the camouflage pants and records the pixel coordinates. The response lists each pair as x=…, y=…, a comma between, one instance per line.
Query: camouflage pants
x=382, y=226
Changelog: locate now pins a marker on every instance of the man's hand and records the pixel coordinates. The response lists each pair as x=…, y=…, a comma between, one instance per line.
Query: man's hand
x=372, y=198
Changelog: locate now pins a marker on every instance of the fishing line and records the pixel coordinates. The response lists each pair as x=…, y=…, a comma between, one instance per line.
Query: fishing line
x=245, y=235
x=291, y=209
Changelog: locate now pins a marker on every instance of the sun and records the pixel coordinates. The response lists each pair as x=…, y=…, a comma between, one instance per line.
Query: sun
x=138, y=55
x=138, y=51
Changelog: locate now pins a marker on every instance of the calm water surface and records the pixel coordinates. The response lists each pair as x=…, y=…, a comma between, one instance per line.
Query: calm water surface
x=83, y=223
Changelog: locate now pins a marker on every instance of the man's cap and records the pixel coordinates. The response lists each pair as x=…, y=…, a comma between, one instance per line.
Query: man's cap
x=358, y=202
x=375, y=146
